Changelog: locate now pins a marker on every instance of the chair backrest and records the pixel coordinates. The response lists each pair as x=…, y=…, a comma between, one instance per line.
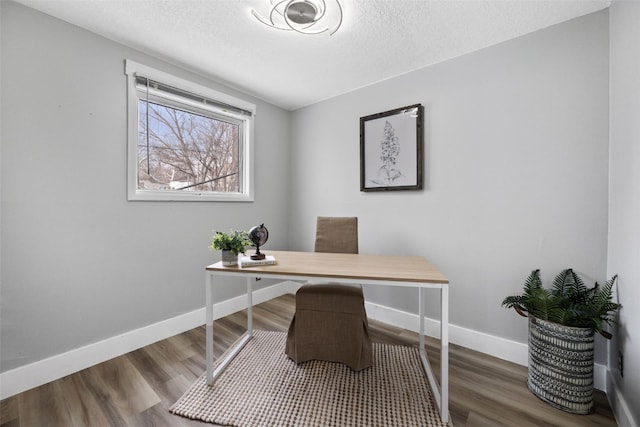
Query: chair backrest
x=337, y=234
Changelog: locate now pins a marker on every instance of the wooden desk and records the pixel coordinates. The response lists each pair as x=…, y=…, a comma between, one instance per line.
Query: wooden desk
x=406, y=271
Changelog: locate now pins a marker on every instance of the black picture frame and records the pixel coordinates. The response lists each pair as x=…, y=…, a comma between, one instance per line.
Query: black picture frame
x=391, y=149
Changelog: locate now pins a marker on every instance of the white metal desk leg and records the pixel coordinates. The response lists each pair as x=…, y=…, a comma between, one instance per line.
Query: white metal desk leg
x=441, y=393
x=444, y=353
x=209, y=326
x=249, y=306
x=433, y=383
x=232, y=351
x=421, y=316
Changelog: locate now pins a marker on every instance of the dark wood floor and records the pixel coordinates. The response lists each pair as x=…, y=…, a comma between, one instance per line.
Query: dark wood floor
x=138, y=388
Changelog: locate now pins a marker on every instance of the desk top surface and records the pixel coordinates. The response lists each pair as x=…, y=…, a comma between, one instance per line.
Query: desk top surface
x=348, y=266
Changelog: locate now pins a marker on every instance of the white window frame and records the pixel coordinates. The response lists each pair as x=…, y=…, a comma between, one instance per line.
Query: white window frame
x=133, y=69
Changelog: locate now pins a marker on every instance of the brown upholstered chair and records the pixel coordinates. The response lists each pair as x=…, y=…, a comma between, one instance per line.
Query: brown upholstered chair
x=330, y=322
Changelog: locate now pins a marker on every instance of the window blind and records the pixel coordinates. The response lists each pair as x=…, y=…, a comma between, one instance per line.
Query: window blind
x=145, y=84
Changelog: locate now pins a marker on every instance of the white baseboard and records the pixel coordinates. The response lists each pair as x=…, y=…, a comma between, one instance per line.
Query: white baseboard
x=600, y=375
x=618, y=403
x=43, y=371
x=489, y=344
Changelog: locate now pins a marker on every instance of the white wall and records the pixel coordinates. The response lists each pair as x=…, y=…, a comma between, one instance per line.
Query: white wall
x=624, y=202
x=516, y=167
x=80, y=263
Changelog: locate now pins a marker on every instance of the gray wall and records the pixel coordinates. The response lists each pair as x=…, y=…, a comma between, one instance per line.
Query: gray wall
x=624, y=197
x=516, y=166
x=79, y=262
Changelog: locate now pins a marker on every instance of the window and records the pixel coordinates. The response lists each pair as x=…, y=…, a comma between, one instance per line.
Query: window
x=186, y=141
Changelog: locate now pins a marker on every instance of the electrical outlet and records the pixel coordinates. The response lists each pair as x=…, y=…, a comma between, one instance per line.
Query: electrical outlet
x=620, y=364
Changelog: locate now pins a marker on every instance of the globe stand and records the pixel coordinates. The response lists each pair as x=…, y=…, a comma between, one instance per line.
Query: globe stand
x=258, y=254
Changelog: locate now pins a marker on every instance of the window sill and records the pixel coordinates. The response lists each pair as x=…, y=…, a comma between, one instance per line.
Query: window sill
x=191, y=196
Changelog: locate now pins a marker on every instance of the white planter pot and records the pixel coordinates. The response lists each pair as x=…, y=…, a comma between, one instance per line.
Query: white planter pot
x=229, y=259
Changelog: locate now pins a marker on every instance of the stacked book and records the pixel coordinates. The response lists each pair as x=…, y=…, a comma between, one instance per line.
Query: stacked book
x=246, y=261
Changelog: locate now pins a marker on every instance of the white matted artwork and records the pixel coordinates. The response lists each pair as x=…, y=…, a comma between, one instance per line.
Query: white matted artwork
x=391, y=150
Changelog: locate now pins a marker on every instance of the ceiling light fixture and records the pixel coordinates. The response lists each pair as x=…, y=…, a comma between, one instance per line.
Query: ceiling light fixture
x=302, y=16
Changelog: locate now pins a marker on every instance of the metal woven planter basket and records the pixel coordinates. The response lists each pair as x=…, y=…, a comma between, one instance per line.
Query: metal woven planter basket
x=561, y=365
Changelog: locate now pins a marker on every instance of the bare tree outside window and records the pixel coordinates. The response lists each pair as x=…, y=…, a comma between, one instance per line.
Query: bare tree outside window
x=182, y=150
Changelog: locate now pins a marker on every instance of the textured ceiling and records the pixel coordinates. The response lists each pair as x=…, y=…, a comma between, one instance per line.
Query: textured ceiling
x=379, y=39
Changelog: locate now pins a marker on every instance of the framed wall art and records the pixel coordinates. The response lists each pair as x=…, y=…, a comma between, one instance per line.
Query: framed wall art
x=391, y=150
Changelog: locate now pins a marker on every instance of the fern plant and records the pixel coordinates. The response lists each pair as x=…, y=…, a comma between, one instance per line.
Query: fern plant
x=569, y=302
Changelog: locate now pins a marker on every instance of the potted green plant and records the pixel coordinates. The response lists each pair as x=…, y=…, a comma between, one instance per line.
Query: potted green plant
x=562, y=324
x=231, y=244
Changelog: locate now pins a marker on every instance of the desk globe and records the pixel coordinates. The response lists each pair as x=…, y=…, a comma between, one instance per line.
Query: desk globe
x=259, y=236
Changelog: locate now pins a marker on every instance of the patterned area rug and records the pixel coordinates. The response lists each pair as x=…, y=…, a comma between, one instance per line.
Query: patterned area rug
x=263, y=387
